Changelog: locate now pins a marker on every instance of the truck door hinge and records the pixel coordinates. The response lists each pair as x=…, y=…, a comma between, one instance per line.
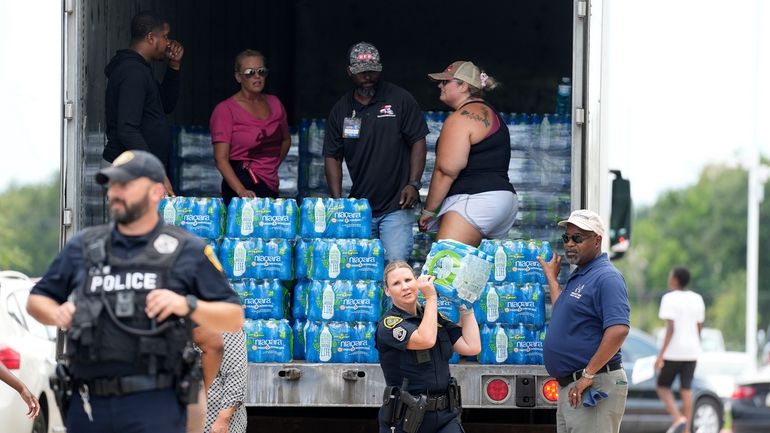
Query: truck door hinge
x=69, y=109
x=69, y=7
x=66, y=217
x=582, y=9
x=580, y=115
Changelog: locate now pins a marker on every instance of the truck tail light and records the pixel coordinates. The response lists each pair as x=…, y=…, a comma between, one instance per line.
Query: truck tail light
x=498, y=390
x=551, y=390
x=10, y=358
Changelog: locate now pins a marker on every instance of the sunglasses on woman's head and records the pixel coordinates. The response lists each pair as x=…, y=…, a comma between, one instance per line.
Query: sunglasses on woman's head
x=248, y=73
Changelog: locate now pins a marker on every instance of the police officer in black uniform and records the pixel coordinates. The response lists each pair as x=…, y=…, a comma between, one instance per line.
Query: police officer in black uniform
x=415, y=344
x=127, y=294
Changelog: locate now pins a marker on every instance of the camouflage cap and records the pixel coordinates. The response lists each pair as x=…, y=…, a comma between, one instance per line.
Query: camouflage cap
x=364, y=57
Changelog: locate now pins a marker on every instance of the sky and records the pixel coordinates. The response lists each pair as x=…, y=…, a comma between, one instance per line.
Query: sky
x=30, y=83
x=683, y=89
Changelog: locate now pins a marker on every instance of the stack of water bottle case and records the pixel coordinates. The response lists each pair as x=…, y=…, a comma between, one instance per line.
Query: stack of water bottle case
x=310, y=280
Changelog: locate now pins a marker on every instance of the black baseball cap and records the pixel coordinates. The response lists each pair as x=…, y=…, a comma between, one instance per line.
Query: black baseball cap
x=130, y=165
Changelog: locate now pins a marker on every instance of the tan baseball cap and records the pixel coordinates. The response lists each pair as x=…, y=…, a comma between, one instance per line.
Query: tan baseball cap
x=460, y=70
x=586, y=220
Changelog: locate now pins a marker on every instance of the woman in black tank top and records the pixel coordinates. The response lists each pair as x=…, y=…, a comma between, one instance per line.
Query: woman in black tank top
x=470, y=196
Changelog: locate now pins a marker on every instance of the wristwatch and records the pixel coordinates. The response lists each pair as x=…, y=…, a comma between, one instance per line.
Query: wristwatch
x=192, y=304
x=416, y=184
x=587, y=375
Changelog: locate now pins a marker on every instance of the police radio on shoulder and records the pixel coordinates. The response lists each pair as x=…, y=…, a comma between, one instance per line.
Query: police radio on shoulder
x=192, y=304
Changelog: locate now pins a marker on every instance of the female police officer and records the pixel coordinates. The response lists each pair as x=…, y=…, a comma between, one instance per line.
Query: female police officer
x=415, y=344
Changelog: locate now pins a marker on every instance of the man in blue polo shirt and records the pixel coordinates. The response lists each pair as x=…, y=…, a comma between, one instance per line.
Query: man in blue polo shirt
x=590, y=320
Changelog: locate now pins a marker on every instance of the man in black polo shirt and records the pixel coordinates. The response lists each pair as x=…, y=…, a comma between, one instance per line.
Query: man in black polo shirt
x=379, y=130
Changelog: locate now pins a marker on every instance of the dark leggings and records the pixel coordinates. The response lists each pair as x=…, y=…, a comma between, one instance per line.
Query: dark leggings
x=260, y=189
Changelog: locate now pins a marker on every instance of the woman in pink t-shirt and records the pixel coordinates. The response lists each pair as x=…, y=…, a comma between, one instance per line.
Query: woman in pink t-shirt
x=250, y=133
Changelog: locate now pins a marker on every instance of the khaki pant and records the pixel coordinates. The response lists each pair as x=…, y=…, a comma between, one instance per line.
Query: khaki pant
x=605, y=417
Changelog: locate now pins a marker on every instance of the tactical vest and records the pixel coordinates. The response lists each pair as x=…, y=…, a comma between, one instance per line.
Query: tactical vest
x=110, y=323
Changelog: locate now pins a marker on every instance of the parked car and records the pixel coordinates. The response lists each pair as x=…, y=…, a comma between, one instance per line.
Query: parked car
x=645, y=412
x=751, y=403
x=711, y=339
x=27, y=348
x=721, y=370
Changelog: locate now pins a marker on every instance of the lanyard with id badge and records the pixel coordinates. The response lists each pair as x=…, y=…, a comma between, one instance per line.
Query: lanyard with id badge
x=351, y=126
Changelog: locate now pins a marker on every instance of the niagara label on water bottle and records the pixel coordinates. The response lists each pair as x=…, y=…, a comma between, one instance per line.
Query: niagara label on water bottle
x=500, y=262
x=319, y=213
x=239, y=260
x=327, y=302
x=169, y=212
x=493, y=311
x=334, y=260
x=501, y=345
x=247, y=218
x=325, y=344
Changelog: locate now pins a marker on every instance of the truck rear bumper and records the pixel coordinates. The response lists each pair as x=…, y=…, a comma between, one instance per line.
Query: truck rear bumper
x=361, y=385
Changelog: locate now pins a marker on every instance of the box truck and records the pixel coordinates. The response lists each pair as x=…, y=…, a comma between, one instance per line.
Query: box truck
x=542, y=51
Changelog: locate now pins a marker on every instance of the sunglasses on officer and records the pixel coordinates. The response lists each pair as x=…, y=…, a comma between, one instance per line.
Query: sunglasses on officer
x=248, y=73
x=576, y=238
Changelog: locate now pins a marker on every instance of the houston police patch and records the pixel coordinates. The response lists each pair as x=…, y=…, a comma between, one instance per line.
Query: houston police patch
x=399, y=333
x=390, y=322
x=209, y=252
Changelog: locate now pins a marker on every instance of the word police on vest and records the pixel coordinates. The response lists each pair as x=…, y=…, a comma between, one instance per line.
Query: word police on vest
x=127, y=281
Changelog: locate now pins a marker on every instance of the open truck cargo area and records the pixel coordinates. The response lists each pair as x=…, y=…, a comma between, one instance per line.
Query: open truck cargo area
x=528, y=46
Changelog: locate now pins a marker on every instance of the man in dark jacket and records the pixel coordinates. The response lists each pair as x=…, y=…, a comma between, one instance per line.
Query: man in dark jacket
x=135, y=104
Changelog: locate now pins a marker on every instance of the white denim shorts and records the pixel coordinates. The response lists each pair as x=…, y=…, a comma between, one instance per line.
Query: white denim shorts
x=492, y=213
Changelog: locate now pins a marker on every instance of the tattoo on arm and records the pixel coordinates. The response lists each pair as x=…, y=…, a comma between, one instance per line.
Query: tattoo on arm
x=476, y=117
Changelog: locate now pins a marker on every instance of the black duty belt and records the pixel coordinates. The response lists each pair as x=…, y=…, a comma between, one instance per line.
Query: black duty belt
x=574, y=377
x=123, y=385
x=437, y=402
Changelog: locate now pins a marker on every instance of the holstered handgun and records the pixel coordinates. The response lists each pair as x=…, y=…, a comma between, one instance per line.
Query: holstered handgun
x=62, y=387
x=414, y=411
x=189, y=383
x=455, y=395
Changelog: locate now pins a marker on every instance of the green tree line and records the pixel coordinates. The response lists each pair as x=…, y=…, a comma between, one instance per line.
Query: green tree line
x=29, y=226
x=702, y=227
